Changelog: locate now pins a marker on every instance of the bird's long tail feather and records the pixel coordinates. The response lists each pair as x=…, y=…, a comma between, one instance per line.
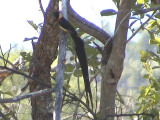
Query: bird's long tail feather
x=79, y=47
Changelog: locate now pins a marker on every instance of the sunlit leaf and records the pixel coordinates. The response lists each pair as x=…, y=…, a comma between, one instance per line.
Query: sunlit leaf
x=32, y=24
x=143, y=56
x=140, y=1
x=151, y=24
x=157, y=39
x=147, y=89
x=140, y=109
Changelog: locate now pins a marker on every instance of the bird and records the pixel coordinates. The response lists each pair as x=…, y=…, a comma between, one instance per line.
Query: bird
x=80, y=51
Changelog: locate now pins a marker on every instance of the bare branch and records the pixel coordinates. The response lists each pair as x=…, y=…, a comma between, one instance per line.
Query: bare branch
x=133, y=114
x=40, y=4
x=75, y=98
x=13, y=65
x=141, y=27
x=60, y=67
x=28, y=39
x=20, y=97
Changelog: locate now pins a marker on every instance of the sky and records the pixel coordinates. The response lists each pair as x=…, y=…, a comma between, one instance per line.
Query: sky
x=15, y=13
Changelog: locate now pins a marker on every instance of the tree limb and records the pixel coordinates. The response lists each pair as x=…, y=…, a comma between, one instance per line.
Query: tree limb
x=87, y=26
x=60, y=67
x=112, y=71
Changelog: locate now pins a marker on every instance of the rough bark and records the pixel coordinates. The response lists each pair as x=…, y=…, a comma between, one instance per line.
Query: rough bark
x=114, y=67
x=44, y=52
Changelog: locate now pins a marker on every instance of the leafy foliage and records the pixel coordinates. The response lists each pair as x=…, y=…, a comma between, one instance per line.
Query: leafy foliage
x=149, y=98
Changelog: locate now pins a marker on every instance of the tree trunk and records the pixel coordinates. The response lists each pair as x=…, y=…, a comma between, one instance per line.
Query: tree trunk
x=114, y=67
x=44, y=52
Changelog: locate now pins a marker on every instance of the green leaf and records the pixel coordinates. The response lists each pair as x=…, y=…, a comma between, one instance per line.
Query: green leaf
x=69, y=67
x=156, y=85
x=146, y=76
x=158, y=48
x=7, y=93
x=157, y=15
x=77, y=72
x=143, y=56
x=140, y=1
x=116, y=1
x=151, y=24
x=142, y=92
x=67, y=86
x=108, y=12
x=23, y=54
x=140, y=110
x=26, y=56
x=157, y=39
x=91, y=51
x=67, y=75
x=147, y=89
x=32, y=24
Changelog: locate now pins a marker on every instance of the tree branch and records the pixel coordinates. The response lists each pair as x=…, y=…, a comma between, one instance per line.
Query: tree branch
x=112, y=71
x=87, y=26
x=20, y=97
x=60, y=67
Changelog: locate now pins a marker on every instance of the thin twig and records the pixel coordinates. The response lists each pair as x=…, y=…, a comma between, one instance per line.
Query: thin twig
x=2, y=54
x=3, y=116
x=133, y=114
x=75, y=98
x=41, y=6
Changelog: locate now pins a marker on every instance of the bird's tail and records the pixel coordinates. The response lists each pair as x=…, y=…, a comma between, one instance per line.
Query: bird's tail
x=79, y=47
